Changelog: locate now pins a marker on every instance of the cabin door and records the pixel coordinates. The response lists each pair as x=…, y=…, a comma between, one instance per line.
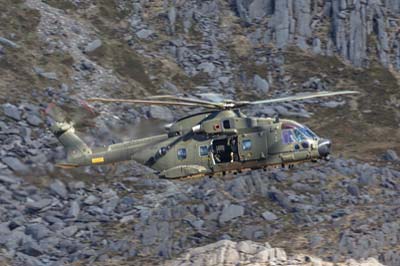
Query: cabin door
x=252, y=146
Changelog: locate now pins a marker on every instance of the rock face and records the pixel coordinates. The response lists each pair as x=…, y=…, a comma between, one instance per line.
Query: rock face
x=229, y=253
x=349, y=26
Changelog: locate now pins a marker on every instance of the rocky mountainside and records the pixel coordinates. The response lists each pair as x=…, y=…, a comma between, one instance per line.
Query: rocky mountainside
x=64, y=51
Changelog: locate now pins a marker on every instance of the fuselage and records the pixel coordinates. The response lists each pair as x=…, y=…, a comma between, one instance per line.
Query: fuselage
x=217, y=142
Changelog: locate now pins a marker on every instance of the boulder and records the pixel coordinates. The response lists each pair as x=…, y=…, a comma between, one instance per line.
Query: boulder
x=261, y=84
x=12, y=111
x=92, y=46
x=37, y=231
x=162, y=113
x=38, y=205
x=59, y=189
x=33, y=120
x=206, y=67
x=144, y=34
x=8, y=43
x=16, y=165
x=74, y=209
x=269, y=216
x=230, y=212
x=390, y=155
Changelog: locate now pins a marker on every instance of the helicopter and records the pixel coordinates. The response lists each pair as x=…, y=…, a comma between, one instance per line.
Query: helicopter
x=217, y=141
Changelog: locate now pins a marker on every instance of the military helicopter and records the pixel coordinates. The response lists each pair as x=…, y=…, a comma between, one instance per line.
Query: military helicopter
x=218, y=141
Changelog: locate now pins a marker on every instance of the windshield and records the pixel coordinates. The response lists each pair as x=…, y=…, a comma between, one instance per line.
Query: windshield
x=296, y=133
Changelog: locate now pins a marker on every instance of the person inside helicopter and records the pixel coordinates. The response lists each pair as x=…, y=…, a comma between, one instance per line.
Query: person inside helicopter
x=225, y=150
x=292, y=132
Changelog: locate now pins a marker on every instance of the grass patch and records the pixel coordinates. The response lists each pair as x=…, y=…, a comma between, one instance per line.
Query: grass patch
x=126, y=63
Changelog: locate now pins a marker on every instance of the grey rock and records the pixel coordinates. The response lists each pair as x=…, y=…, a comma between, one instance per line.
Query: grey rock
x=9, y=180
x=91, y=199
x=226, y=252
x=70, y=231
x=269, y=216
x=316, y=46
x=206, y=67
x=76, y=185
x=149, y=235
x=58, y=188
x=37, y=231
x=31, y=248
x=353, y=190
x=33, y=120
x=391, y=155
x=74, y=209
x=110, y=205
x=281, y=20
x=162, y=113
x=92, y=46
x=8, y=43
x=144, y=34
x=86, y=66
x=49, y=75
x=333, y=104
x=230, y=212
x=16, y=165
x=258, y=9
x=281, y=199
x=127, y=219
x=38, y=205
x=170, y=87
x=261, y=84
x=12, y=111
x=172, y=17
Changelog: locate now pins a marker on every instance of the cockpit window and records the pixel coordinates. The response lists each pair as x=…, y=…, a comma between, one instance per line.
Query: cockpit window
x=308, y=132
x=296, y=133
x=299, y=135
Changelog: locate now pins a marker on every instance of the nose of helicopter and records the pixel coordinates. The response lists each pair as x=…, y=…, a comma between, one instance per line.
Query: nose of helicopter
x=324, y=148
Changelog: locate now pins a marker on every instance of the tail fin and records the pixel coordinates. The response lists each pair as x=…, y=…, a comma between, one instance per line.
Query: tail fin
x=65, y=132
x=75, y=146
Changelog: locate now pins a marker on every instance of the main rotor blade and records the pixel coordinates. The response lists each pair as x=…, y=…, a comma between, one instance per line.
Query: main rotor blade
x=153, y=102
x=186, y=99
x=298, y=97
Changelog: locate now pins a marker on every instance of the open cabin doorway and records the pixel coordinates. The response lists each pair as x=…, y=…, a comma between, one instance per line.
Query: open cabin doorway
x=225, y=150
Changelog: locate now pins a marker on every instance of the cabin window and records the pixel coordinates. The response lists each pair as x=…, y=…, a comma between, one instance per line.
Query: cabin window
x=226, y=124
x=246, y=144
x=163, y=151
x=182, y=154
x=203, y=150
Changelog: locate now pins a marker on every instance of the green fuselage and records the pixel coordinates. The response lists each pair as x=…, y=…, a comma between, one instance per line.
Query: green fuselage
x=210, y=143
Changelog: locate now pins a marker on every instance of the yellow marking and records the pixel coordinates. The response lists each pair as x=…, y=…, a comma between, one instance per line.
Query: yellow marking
x=98, y=160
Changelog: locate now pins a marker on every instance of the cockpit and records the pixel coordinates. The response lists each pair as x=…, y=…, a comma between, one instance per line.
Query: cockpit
x=301, y=136
x=293, y=132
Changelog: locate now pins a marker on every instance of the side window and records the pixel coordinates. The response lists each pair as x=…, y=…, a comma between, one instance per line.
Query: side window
x=287, y=136
x=203, y=150
x=226, y=124
x=246, y=144
x=182, y=154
